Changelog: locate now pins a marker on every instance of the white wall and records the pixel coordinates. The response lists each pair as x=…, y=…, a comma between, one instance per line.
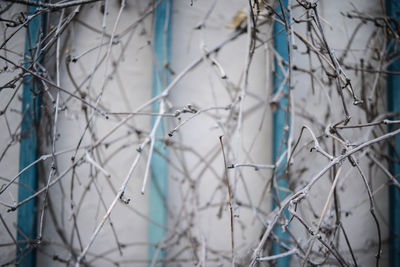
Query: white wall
x=352, y=194
x=128, y=87
x=9, y=125
x=203, y=88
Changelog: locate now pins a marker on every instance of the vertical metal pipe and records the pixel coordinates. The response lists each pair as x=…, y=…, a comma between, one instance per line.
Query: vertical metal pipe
x=158, y=165
x=393, y=92
x=26, y=217
x=279, y=135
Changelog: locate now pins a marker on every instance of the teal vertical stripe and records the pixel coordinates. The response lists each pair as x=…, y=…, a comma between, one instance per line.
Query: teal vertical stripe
x=158, y=165
x=28, y=150
x=279, y=138
x=393, y=91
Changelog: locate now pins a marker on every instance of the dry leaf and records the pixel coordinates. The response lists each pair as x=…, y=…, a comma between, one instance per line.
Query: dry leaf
x=241, y=16
x=238, y=19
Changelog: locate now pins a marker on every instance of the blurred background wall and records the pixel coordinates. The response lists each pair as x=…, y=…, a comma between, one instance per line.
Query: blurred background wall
x=106, y=58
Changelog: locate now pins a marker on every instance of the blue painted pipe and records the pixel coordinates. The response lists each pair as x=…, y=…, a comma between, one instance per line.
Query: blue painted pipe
x=26, y=217
x=279, y=138
x=159, y=167
x=393, y=92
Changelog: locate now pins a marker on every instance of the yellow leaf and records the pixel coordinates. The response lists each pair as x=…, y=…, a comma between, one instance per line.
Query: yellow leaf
x=238, y=19
x=241, y=16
